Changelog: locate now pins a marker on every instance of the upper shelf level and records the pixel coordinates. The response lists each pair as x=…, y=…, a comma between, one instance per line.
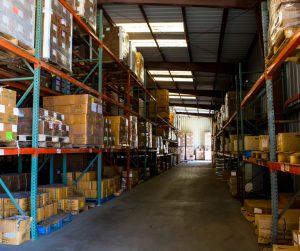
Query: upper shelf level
x=289, y=48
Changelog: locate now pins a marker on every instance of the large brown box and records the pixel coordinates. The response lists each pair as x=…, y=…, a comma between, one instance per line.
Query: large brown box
x=140, y=67
x=117, y=41
x=15, y=230
x=288, y=142
x=251, y=143
x=56, y=191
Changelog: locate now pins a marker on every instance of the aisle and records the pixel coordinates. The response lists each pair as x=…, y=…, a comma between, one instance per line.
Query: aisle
x=185, y=208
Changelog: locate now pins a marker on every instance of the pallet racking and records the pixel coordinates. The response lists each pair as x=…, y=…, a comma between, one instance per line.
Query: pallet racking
x=36, y=66
x=257, y=90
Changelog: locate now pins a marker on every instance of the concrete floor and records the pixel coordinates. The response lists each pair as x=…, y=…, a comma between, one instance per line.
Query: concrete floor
x=185, y=208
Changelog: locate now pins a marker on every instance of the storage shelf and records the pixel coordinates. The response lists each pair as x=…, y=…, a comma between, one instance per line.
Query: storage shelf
x=275, y=166
x=269, y=71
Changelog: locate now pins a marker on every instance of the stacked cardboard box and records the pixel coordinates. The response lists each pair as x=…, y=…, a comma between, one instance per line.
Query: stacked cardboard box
x=161, y=106
x=88, y=184
x=118, y=42
x=288, y=223
x=84, y=115
x=50, y=124
x=119, y=126
x=200, y=153
x=263, y=143
x=133, y=178
x=64, y=197
x=87, y=9
x=17, y=20
x=189, y=142
x=44, y=204
x=134, y=131
x=108, y=138
x=8, y=115
x=16, y=182
x=57, y=34
x=232, y=183
x=132, y=57
x=15, y=230
x=140, y=67
x=284, y=15
x=141, y=107
x=285, y=248
x=288, y=142
x=145, y=135
x=251, y=143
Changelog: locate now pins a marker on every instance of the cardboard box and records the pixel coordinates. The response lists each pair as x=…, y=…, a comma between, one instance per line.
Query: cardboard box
x=284, y=248
x=263, y=142
x=15, y=230
x=251, y=143
x=8, y=132
x=258, y=206
x=40, y=214
x=288, y=142
x=56, y=191
x=74, y=203
x=140, y=67
x=8, y=114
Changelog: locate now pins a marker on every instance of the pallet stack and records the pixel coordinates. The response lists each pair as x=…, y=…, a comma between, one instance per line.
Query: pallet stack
x=53, y=132
x=17, y=24
x=133, y=178
x=108, y=138
x=86, y=9
x=189, y=141
x=145, y=135
x=119, y=127
x=8, y=117
x=66, y=201
x=87, y=186
x=134, y=132
x=283, y=23
x=161, y=106
x=84, y=115
x=57, y=35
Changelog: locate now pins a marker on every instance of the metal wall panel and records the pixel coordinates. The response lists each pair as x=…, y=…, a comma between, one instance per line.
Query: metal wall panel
x=197, y=125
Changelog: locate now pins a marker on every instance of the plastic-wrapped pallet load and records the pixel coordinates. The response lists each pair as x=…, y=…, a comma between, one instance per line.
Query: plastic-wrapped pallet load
x=140, y=67
x=132, y=58
x=87, y=9
x=161, y=106
x=57, y=34
x=117, y=41
x=134, y=131
x=119, y=126
x=17, y=21
x=284, y=18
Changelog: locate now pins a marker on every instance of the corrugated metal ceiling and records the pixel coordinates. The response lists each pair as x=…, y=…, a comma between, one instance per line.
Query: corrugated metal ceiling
x=204, y=26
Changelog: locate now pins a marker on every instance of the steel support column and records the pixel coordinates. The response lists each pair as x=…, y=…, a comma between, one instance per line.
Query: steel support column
x=145, y=116
x=265, y=25
x=129, y=130
x=100, y=84
x=272, y=152
x=35, y=117
x=51, y=168
x=242, y=131
x=64, y=177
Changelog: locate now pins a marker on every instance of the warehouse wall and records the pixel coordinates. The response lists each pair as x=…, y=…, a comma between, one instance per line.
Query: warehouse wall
x=197, y=125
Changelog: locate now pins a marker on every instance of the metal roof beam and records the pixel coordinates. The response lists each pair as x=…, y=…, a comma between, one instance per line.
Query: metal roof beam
x=206, y=115
x=222, y=34
x=107, y=17
x=199, y=93
x=200, y=106
x=239, y=4
x=229, y=68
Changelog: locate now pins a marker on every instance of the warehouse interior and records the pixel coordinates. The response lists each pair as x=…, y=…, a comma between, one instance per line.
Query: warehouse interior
x=146, y=124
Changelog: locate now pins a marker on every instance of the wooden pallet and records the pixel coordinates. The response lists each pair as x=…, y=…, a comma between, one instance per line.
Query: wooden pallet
x=42, y=138
x=16, y=42
x=8, y=143
x=26, y=144
x=281, y=40
x=53, y=223
x=85, y=146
